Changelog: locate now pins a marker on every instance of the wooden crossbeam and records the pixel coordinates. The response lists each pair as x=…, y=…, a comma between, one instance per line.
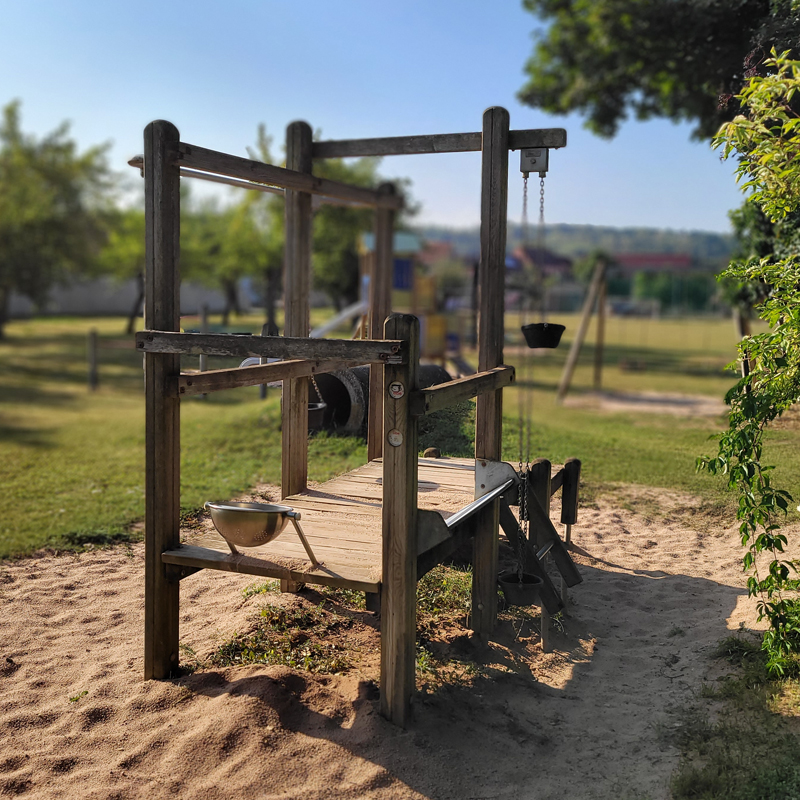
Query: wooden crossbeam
x=425, y=401
x=205, y=558
x=363, y=351
x=201, y=158
x=219, y=379
x=434, y=143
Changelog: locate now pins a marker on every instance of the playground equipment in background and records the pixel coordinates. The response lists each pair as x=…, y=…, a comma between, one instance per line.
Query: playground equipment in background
x=370, y=528
x=596, y=295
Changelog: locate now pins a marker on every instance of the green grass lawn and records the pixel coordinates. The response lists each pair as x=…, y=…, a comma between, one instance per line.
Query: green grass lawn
x=72, y=461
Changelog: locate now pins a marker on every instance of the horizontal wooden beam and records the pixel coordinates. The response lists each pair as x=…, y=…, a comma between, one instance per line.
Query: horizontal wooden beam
x=200, y=158
x=206, y=558
x=361, y=351
x=425, y=401
x=434, y=143
x=219, y=379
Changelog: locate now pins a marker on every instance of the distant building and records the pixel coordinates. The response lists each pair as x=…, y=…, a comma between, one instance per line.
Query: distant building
x=630, y=263
x=548, y=263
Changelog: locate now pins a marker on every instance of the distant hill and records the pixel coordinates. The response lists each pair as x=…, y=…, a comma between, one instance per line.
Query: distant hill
x=711, y=250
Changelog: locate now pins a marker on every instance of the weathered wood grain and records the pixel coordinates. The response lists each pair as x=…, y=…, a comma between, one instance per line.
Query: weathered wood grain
x=218, y=379
x=426, y=401
x=489, y=407
x=399, y=588
x=434, y=143
x=162, y=409
x=201, y=158
x=380, y=302
x=296, y=292
x=362, y=351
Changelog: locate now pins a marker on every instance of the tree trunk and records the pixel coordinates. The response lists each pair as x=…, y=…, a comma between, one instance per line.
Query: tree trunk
x=137, y=306
x=231, y=300
x=5, y=299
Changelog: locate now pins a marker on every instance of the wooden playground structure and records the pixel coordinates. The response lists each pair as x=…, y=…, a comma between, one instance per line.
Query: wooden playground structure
x=370, y=529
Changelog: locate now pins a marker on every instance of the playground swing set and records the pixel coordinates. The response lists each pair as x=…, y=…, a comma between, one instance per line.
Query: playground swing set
x=368, y=530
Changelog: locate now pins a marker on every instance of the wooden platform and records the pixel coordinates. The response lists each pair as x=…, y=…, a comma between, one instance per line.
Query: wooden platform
x=342, y=521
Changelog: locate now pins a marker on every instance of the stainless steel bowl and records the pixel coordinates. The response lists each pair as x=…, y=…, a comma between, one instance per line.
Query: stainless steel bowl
x=249, y=524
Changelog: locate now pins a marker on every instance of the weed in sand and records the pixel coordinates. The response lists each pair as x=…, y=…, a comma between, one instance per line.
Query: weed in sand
x=302, y=637
x=261, y=588
x=75, y=698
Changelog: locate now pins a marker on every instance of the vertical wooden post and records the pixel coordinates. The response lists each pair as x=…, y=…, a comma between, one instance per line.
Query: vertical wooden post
x=601, y=334
x=91, y=345
x=489, y=410
x=569, y=496
x=380, y=305
x=399, y=576
x=162, y=407
x=539, y=480
x=296, y=289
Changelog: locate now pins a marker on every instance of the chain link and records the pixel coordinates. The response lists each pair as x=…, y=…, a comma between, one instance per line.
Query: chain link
x=316, y=389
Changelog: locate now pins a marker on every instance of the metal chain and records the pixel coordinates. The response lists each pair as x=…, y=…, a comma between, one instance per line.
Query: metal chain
x=316, y=388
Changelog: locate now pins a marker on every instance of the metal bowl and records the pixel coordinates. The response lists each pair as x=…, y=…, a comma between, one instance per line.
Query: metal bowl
x=249, y=524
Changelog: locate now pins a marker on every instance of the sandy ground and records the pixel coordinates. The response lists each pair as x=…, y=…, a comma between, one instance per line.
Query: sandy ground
x=660, y=588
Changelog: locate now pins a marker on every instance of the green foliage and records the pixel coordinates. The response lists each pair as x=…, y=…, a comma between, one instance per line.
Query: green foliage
x=301, y=637
x=745, y=751
x=670, y=58
x=766, y=141
x=52, y=200
x=451, y=429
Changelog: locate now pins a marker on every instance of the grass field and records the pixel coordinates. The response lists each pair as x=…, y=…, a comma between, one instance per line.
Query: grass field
x=72, y=461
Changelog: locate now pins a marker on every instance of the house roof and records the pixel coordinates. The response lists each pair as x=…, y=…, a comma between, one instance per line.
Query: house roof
x=404, y=243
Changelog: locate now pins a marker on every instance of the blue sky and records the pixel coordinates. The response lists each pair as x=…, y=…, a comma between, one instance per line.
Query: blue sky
x=352, y=69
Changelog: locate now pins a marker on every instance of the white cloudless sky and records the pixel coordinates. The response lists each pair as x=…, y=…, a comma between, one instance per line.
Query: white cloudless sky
x=352, y=68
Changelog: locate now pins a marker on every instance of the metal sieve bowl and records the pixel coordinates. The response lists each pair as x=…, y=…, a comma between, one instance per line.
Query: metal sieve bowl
x=249, y=524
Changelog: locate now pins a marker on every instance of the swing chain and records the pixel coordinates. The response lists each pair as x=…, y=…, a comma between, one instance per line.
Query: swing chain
x=316, y=388
x=525, y=209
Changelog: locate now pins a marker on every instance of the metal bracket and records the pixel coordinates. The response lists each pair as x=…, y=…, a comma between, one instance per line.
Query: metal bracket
x=491, y=474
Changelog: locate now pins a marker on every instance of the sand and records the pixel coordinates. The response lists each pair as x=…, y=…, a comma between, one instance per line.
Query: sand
x=662, y=584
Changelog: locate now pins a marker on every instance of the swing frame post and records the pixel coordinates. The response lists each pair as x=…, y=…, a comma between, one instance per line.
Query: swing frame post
x=380, y=305
x=489, y=407
x=399, y=527
x=162, y=407
x=296, y=288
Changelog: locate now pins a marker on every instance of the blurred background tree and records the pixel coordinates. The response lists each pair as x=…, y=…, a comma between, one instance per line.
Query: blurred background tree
x=54, y=206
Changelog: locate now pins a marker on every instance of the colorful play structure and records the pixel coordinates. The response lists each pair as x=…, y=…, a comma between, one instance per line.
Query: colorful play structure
x=370, y=530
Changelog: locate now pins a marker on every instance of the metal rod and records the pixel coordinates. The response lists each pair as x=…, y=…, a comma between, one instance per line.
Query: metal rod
x=295, y=517
x=544, y=550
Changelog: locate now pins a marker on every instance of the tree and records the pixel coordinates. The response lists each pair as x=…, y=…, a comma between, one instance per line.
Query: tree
x=679, y=59
x=52, y=200
x=336, y=231
x=123, y=254
x=766, y=140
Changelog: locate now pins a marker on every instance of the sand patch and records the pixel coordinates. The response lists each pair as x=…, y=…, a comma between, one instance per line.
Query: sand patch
x=586, y=721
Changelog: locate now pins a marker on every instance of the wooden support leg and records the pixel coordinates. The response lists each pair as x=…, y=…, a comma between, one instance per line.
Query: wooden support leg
x=399, y=585
x=291, y=587
x=373, y=602
x=489, y=407
x=547, y=644
x=162, y=409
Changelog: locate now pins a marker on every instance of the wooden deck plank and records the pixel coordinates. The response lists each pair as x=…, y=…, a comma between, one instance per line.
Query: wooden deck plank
x=342, y=520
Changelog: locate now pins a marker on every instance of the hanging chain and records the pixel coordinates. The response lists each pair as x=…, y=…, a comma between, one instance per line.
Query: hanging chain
x=316, y=388
x=525, y=209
